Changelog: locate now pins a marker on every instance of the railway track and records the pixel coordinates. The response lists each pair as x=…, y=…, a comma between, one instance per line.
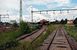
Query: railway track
x=56, y=41
x=26, y=35
x=34, y=35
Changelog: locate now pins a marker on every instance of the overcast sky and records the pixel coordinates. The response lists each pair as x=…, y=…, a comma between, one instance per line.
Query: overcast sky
x=11, y=7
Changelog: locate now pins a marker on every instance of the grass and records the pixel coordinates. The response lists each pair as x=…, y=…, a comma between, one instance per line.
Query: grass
x=8, y=39
x=33, y=46
x=41, y=39
x=8, y=36
x=72, y=31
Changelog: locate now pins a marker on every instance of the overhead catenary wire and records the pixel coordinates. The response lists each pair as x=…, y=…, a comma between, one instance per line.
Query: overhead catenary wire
x=54, y=11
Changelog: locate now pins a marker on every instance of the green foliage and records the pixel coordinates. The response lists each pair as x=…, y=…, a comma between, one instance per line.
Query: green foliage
x=15, y=24
x=75, y=21
x=24, y=28
x=72, y=31
x=60, y=22
x=40, y=40
x=75, y=25
x=9, y=44
x=34, y=27
x=34, y=46
x=63, y=21
x=7, y=39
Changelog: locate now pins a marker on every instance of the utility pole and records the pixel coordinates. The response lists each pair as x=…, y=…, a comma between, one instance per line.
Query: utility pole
x=0, y=18
x=31, y=14
x=20, y=10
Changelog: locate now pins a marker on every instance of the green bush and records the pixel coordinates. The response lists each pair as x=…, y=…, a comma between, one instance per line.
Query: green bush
x=35, y=44
x=15, y=25
x=27, y=45
x=24, y=28
x=75, y=25
x=72, y=31
x=9, y=44
x=7, y=39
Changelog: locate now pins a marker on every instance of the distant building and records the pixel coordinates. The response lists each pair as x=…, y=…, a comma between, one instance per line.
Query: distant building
x=70, y=22
x=13, y=21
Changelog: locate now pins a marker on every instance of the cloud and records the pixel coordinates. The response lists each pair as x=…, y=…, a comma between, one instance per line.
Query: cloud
x=48, y=1
x=37, y=17
x=12, y=6
x=63, y=1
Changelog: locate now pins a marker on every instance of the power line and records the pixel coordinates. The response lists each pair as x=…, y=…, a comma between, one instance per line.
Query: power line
x=55, y=10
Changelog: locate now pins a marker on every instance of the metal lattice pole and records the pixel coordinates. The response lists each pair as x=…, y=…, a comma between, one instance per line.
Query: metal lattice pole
x=32, y=15
x=0, y=18
x=20, y=10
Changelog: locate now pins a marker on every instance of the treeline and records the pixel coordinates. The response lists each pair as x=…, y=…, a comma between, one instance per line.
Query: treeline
x=60, y=22
x=55, y=22
x=8, y=39
x=75, y=22
x=64, y=22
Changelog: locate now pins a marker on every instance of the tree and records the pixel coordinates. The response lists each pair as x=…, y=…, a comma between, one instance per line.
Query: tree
x=63, y=21
x=24, y=28
x=15, y=24
x=57, y=22
x=75, y=21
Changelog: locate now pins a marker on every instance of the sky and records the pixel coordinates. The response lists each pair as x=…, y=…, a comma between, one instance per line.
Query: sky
x=11, y=7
